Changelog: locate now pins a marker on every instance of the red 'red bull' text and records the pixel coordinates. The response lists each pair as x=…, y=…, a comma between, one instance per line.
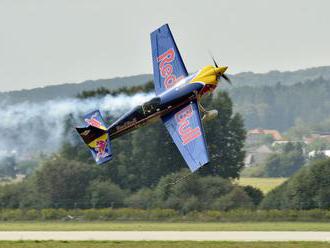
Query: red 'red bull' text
x=186, y=132
x=166, y=69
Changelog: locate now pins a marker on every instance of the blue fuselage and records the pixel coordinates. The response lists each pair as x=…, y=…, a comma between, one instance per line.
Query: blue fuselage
x=157, y=107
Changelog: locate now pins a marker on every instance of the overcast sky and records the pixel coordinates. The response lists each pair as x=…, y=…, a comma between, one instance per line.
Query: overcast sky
x=50, y=42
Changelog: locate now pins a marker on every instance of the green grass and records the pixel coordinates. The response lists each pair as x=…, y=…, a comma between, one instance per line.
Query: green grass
x=265, y=184
x=165, y=226
x=160, y=244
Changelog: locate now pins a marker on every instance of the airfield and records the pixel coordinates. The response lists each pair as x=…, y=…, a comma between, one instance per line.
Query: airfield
x=164, y=236
x=247, y=232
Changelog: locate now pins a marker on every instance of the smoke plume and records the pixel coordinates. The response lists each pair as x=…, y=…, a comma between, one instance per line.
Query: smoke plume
x=28, y=129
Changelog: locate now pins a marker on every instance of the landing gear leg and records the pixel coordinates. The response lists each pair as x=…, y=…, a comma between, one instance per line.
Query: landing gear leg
x=202, y=109
x=207, y=115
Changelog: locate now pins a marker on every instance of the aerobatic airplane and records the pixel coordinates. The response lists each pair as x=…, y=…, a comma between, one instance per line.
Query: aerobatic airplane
x=177, y=104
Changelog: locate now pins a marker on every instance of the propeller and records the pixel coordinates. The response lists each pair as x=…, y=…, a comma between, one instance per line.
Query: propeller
x=225, y=77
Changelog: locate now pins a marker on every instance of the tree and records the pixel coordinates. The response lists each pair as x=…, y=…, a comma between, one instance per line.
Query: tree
x=319, y=145
x=286, y=163
x=156, y=154
x=21, y=195
x=8, y=167
x=237, y=198
x=307, y=189
x=225, y=136
x=255, y=194
x=142, y=157
x=142, y=199
x=102, y=194
x=27, y=166
x=63, y=182
x=175, y=189
x=189, y=192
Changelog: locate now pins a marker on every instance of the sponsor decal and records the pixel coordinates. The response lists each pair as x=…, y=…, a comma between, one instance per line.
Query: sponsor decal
x=186, y=132
x=101, y=149
x=85, y=133
x=92, y=121
x=166, y=68
x=126, y=124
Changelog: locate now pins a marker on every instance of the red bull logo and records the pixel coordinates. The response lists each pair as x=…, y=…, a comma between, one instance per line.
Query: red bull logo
x=101, y=149
x=186, y=132
x=166, y=69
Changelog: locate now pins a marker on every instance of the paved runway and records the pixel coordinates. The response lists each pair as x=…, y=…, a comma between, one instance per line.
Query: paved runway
x=166, y=236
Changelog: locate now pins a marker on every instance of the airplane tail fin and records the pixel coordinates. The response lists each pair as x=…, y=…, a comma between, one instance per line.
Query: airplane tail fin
x=96, y=137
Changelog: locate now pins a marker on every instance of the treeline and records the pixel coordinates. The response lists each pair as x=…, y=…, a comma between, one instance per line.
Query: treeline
x=285, y=77
x=64, y=184
x=281, y=107
x=102, y=91
x=146, y=171
x=68, y=184
x=129, y=214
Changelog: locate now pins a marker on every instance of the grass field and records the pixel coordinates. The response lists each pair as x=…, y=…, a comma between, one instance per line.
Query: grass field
x=264, y=184
x=161, y=244
x=158, y=226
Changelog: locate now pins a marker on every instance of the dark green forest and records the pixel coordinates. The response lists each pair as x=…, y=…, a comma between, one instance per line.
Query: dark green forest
x=282, y=107
x=147, y=171
x=307, y=189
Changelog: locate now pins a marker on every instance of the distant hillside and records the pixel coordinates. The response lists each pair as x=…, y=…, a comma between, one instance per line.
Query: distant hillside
x=70, y=90
x=281, y=106
x=241, y=79
x=286, y=77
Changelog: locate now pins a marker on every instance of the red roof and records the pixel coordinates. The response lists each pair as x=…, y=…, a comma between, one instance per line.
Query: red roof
x=274, y=133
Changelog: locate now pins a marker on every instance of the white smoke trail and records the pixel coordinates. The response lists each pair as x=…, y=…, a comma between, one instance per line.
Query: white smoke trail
x=31, y=128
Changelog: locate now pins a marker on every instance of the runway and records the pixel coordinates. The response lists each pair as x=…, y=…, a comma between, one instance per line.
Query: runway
x=165, y=235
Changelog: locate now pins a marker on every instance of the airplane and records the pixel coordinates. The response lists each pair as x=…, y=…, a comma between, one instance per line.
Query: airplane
x=176, y=104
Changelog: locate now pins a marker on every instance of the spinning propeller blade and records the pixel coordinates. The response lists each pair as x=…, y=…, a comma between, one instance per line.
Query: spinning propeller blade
x=224, y=76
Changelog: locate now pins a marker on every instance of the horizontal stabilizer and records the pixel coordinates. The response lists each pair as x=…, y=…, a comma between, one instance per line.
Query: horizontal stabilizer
x=96, y=137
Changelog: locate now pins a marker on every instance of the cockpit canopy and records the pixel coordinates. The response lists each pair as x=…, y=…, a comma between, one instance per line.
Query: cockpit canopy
x=151, y=106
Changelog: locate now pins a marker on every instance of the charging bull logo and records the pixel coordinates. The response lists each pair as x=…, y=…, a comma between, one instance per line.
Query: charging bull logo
x=101, y=149
x=166, y=69
x=186, y=132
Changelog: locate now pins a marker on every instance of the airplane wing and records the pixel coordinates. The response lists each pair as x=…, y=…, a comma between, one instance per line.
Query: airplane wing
x=185, y=128
x=168, y=65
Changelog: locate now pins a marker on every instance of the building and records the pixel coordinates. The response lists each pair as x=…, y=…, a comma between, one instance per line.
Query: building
x=262, y=136
x=272, y=132
x=257, y=156
x=317, y=136
x=314, y=153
